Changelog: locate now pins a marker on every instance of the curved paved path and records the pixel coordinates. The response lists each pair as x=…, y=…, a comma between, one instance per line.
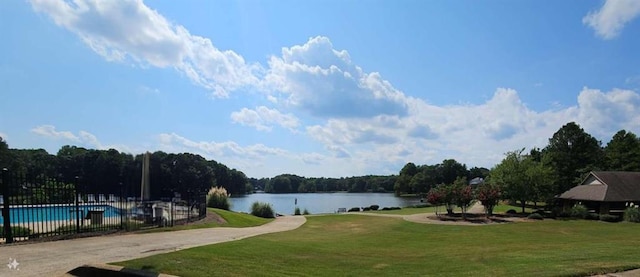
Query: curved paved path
x=57, y=257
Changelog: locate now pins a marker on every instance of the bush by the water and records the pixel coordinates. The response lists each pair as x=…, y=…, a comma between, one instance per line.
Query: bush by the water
x=390, y=208
x=535, y=216
x=579, y=211
x=16, y=231
x=374, y=207
x=261, y=209
x=354, y=209
x=218, y=198
x=296, y=211
x=366, y=209
x=632, y=214
x=609, y=218
x=306, y=212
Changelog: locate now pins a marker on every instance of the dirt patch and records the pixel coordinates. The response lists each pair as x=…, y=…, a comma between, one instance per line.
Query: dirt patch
x=210, y=217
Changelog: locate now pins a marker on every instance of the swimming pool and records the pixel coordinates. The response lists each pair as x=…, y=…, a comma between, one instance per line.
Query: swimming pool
x=29, y=214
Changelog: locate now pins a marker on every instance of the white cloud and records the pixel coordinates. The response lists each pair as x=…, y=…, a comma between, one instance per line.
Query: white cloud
x=51, y=132
x=82, y=138
x=474, y=134
x=609, y=20
x=217, y=149
x=4, y=136
x=263, y=118
x=129, y=30
x=609, y=112
x=324, y=82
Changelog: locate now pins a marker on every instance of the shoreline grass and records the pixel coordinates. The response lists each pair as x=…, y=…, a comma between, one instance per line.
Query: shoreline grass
x=356, y=245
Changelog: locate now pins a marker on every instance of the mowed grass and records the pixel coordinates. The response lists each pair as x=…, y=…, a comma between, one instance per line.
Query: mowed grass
x=358, y=245
x=234, y=219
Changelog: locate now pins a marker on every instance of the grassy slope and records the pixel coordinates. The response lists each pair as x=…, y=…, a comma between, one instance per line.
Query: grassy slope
x=355, y=245
x=233, y=219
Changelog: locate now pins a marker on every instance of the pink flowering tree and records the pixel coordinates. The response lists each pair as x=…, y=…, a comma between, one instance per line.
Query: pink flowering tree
x=488, y=195
x=462, y=194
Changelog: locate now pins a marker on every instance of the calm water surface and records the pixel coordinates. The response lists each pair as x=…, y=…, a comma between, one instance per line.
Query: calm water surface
x=317, y=203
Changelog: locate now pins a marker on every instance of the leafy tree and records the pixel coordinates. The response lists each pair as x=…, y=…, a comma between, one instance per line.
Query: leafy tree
x=521, y=177
x=420, y=183
x=572, y=153
x=450, y=170
x=4, y=154
x=403, y=183
x=481, y=172
x=622, y=153
x=279, y=184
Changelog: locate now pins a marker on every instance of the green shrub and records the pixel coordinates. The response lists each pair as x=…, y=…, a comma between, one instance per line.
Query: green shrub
x=306, y=212
x=535, y=216
x=579, y=211
x=391, y=208
x=374, y=207
x=592, y=216
x=354, y=209
x=16, y=231
x=609, y=218
x=632, y=214
x=511, y=211
x=296, y=211
x=261, y=209
x=366, y=209
x=217, y=197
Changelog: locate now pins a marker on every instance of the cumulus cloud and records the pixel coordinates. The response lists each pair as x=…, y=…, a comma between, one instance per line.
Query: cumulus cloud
x=263, y=118
x=51, y=132
x=130, y=31
x=609, y=20
x=324, y=82
x=83, y=137
x=607, y=112
x=228, y=148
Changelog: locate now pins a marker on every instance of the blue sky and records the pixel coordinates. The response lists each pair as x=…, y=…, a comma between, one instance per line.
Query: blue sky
x=317, y=88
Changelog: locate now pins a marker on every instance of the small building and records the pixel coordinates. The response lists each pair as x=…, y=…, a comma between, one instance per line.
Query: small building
x=605, y=192
x=476, y=181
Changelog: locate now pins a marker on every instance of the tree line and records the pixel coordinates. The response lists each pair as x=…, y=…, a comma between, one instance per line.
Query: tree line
x=290, y=183
x=112, y=172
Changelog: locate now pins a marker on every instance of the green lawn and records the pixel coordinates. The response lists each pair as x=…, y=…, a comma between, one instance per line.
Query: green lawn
x=504, y=207
x=233, y=219
x=356, y=245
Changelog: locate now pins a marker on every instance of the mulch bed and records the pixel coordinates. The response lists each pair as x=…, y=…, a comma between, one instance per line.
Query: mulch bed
x=471, y=218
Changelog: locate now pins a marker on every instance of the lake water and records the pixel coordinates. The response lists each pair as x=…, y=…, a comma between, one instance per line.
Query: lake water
x=317, y=203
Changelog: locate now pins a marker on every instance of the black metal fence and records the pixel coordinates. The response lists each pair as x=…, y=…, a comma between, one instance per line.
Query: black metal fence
x=35, y=207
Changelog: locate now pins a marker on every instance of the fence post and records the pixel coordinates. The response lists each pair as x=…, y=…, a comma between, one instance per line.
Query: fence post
x=77, y=193
x=6, y=215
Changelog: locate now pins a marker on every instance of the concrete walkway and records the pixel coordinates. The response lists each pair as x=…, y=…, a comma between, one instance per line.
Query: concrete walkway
x=57, y=257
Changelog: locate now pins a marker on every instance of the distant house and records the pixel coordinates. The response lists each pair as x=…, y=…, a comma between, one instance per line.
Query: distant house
x=476, y=181
x=605, y=192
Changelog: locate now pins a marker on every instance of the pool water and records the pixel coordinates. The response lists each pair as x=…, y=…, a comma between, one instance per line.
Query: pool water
x=28, y=214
